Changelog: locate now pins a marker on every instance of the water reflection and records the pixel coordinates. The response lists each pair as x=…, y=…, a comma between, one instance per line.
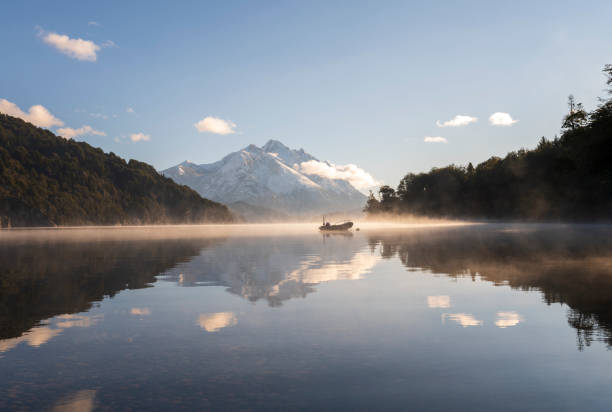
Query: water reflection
x=43, y=280
x=34, y=337
x=140, y=311
x=81, y=401
x=507, y=319
x=464, y=319
x=377, y=320
x=571, y=265
x=213, y=322
x=438, y=301
x=278, y=269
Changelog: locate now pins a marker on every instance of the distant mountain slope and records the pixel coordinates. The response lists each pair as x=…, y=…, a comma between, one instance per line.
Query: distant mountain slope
x=268, y=177
x=47, y=180
x=257, y=214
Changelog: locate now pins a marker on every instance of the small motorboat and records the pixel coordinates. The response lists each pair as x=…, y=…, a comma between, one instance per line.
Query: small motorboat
x=328, y=227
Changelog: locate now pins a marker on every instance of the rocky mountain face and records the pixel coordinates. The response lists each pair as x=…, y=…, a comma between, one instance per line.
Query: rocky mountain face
x=268, y=177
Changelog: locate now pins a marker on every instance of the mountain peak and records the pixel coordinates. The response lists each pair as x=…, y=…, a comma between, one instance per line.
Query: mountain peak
x=269, y=177
x=252, y=148
x=274, y=146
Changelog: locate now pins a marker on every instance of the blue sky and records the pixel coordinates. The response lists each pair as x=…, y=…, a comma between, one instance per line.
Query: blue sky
x=350, y=82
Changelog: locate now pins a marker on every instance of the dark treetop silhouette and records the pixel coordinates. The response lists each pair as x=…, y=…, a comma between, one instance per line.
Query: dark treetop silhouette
x=569, y=177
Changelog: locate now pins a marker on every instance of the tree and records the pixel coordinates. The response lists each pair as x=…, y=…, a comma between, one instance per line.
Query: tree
x=568, y=177
x=608, y=72
x=372, y=204
x=577, y=116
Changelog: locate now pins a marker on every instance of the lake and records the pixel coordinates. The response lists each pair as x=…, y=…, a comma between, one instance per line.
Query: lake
x=280, y=317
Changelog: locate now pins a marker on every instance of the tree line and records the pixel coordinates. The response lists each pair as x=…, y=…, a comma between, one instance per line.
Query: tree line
x=46, y=180
x=568, y=177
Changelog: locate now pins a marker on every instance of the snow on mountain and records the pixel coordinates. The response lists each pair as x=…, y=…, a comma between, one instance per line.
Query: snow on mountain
x=270, y=177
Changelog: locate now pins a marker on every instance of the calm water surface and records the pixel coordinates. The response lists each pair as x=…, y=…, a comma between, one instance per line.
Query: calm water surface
x=487, y=317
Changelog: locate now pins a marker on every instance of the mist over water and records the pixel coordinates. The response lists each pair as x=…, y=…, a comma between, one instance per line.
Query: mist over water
x=443, y=315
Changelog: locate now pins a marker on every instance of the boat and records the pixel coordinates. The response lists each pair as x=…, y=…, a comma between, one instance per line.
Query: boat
x=328, y=227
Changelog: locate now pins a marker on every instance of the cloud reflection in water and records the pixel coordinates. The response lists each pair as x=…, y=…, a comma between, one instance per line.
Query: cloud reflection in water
x=213, y=322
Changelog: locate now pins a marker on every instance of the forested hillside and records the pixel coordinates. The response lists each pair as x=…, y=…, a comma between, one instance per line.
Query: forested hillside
x=47, y=180
x=568, y=177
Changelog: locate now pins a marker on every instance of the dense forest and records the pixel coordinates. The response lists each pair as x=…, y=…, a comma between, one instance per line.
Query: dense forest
x=46, y=180
x=568, y=177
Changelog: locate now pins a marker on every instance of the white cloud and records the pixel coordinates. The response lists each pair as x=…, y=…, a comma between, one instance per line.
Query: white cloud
x=459, y=120
x=70, y=133
x=99, y=115
x=356, y=176
x=38, y=115
x=76, y=48
x=435, y=139
x=501, y=119
x=464, y=319
x=438, y=301
x=129, y=110
x=507, y=319
x=138, y=137
x=215, y=125
x=93, y=23
x=108, y=43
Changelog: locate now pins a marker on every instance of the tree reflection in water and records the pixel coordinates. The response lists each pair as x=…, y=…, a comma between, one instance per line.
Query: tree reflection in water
x=570, y=265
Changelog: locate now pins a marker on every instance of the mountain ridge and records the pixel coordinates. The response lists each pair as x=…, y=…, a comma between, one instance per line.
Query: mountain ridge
x=46, y=180
x=269, y=177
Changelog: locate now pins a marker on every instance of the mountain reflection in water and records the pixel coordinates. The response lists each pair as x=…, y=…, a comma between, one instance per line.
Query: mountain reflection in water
x=569, y=264
x=381, y=319
x=277, y=269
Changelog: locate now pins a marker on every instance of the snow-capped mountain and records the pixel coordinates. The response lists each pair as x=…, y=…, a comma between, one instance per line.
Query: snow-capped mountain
x=270, y=177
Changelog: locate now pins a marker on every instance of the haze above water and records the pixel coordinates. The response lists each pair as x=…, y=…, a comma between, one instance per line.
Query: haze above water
x=280, y=317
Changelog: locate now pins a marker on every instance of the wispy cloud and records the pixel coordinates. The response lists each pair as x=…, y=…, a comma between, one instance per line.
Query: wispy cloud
x=501, y=119
x=459, y=120
x=129, y=110
x=355, y=175
x=70, y=133
x=38, y=115
x=93, y=23
x=140, y=137
x=99, y=115
x=215, y=125
x=79, y=49
x=108, y=43
x=435, y=139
